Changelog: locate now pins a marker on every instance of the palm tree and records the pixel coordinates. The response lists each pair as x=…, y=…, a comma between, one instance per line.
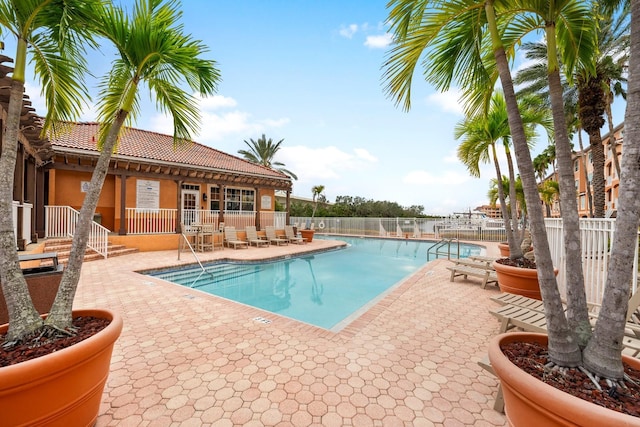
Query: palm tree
x=452, y=34
x=481, y=133
x=505, y=185
x=153, y=50
x=49, y=33
x=316, y=191
x=262, y=151
x=590, y=97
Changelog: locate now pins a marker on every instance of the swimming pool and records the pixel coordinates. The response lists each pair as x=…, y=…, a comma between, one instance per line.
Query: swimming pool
x=328, y=289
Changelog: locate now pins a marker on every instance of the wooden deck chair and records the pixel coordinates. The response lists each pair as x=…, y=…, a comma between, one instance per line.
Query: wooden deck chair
x=231, y=238
x=272, y=238
x=253, y=239
x=465, y=268
x=288, y=232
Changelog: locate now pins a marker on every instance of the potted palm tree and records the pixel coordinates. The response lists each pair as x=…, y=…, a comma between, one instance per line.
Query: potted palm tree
x=72, y=379
x=451, y=35
x=309, y=230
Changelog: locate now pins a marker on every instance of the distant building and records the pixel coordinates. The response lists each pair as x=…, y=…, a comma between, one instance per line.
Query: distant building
x=612, y=181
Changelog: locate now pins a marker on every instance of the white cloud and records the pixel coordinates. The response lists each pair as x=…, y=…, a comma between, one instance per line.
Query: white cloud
x=348, y=31
x=365, y=155
x=449, y=101
x=217, y=101
x=422, y=177
x=379, y=42
x=323, y=163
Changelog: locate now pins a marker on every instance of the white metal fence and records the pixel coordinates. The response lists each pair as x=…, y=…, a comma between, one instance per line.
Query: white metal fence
x=152, y=221
x=596, y=235
x=61, y=221
x=382, y=227
x=276, y=219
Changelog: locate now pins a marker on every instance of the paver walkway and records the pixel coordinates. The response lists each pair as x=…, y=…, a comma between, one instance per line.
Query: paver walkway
x=189, y=359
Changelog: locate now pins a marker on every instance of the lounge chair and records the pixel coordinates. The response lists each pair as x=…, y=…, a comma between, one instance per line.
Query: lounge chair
x=272, y=238
x=231, y=238
x=465, y=268
x=528, y=315
x=252, y=237
x=288, y=232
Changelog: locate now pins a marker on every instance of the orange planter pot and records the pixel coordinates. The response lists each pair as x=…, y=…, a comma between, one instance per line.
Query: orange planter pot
x=530, y=402
x=504, y=249
x=519, y=281
x=63, y=388
x=307, y=234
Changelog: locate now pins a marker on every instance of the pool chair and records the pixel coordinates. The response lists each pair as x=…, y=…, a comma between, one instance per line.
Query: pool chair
x=253, y=239
x=288, y=232
x=231, y=238
x=272, y=238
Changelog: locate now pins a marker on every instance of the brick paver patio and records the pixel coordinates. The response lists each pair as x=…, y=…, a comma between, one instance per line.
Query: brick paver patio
x=189, y=359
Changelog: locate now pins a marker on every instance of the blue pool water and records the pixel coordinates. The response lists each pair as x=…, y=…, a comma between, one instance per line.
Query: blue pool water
x=325, y=289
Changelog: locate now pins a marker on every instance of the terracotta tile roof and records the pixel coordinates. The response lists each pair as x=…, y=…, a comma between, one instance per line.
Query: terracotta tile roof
x=156, y=147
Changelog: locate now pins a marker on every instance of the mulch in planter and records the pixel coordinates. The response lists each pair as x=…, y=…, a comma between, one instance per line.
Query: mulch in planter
x=532, y=357
x=86, y=326
x=518, y=262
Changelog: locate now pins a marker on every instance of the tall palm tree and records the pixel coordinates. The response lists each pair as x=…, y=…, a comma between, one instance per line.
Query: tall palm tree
x=452, y=35
x=504, y=184
x=50, y=34
x=480, y=133
x=262, y=151
x=152, y=50
x=316, y=191
x=591, y=96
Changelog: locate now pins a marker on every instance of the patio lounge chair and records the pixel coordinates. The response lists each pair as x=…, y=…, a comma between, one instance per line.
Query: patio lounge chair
x=231, y=238
x=465, y=268
x=272, y=238
x=288, y=231
x=528, y=315
x=252, y=237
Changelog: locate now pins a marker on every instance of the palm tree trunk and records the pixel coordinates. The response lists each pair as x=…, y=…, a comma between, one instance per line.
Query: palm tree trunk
x=61, y=310
x=23, y=317
x=519, y=234
x=563, y=348
x=597, y=150
x=577, y=312
x=602, y=354
x=612, y=139
x=511, y=237
x=586, y=176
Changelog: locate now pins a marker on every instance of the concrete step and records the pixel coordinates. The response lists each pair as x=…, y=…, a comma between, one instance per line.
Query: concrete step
x=63, y=248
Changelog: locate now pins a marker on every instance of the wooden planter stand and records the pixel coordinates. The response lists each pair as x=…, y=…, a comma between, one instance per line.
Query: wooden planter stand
x=43, y=283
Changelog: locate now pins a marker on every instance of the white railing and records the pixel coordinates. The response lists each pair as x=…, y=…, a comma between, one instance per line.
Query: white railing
x=359, y=226
x=60, y=222
x=238, y=219
x=275, y=219
x=596, y=235
x=151, y=221
x=200, y=216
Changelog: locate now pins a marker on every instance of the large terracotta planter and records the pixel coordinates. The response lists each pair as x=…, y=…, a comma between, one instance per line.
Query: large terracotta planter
x=63, y=388
x=519, y=281
x=307, y=234
x=504, y=249
x=530, y=402
x=43, y=288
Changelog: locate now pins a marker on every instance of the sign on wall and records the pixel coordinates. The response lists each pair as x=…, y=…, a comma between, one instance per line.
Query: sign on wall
x=84, y=186
x=265, y=203
x=148, y=194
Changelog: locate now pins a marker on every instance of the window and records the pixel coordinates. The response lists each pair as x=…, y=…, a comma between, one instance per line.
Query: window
x=583, y=203
x=576, y=166
x=577, y=183
x=240, y=200
x=590, y=157
x=214, y=198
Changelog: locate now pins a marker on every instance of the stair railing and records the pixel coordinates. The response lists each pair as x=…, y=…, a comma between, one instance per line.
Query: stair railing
x=60, y=222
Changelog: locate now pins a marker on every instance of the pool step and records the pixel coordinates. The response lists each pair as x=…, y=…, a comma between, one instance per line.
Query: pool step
x=214, y=274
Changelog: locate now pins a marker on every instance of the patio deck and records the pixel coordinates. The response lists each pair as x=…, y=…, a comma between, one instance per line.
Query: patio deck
x=190, y=359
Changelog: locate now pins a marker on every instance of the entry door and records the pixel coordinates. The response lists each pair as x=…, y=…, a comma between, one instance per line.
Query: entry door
x=190, y=204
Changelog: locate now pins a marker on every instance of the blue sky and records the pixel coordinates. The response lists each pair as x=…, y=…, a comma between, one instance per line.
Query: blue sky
x=309, y=72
